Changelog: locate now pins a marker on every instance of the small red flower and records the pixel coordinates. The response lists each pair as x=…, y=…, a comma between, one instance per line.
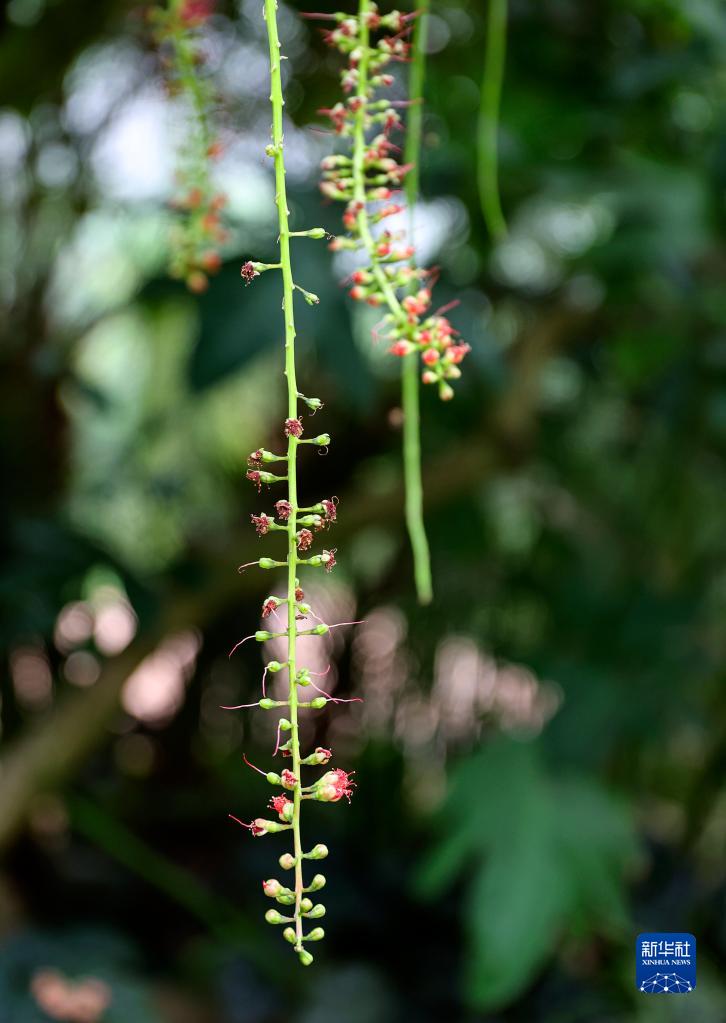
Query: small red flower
x=283, y=509
x=289, y=781
x=278, y=804
x=299, y=594
x=254, y=477
x=254, y=459
x=334, y=785
x=248, y=272
x=262, y=523
x=430, y=357
x=196, y=12
x=329, y=560
x=330, y=508
x=268, y=607
x=293, y=428
x=304, y=539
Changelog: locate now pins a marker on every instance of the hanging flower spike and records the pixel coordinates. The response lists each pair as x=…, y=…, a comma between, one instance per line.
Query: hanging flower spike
x=198, y=231
x=299, y=525
x=365, y=179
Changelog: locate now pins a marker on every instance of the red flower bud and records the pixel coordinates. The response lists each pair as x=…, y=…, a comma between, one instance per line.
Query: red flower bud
x=283, y=509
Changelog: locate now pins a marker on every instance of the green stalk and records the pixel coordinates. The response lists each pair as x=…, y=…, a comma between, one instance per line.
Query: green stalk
x=277, y=101
x=410, y=397
x=491, y=92
x=412, y=447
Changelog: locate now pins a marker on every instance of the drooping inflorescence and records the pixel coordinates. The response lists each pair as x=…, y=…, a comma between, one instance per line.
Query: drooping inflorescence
x=368, y=178
x=301, y=526
x=198, y=232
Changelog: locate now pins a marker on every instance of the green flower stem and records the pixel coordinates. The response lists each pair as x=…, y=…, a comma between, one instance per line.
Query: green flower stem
x=491, y=92
x=277, y=101
x=191, y=83
x=410, y=396
x=412, y=446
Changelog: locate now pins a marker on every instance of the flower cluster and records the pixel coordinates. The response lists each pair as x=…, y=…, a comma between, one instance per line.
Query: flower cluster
x=368, y=180
x=199, y=232
x=301, y=526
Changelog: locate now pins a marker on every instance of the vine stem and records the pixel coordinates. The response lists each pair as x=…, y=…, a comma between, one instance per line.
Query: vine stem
x=410, y=388
x=412, y=444
x=278, y=102
x=491, y=92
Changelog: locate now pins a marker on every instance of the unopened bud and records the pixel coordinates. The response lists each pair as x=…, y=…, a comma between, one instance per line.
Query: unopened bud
x=272, y=888
x=322, y=440
x=273, y=917
x=305, y=957
x=274, y=779
x=262, y=635
x=287, y=861
x=319, y=852
x=285, y=725
x=316, y=912
x=289, y=935
x=317, y=934
x=267, y=704
x=317, y=883
x=306, y=905
x=318, y=703
x=274, y=666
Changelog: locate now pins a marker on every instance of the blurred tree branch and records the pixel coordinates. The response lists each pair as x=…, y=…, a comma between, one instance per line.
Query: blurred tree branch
x=50, y=753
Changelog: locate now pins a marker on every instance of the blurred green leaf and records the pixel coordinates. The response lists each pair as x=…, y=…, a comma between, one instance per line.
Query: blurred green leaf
x=541, y=855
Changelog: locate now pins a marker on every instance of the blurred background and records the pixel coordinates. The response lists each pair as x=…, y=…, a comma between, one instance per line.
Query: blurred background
x=540, y=754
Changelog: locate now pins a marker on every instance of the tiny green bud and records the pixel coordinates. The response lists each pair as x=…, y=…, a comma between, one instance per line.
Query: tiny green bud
x=319, y=630
x=317, y=232
x=305, y=957
x=322, y=439
x=289, y=935
x=303, y=677
x=318, y=703
x=274, y=779
x=318, y=852
x=306, y=905
x=287, y=861
x=317, y=883
x=274, y=666
x=267, y=563
x=267, y=703
x=316, y=912
x=317, y=934
x=261, y=636
x=312, y=403
x=285, y=725
x=273, y=917
x=286, y=898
